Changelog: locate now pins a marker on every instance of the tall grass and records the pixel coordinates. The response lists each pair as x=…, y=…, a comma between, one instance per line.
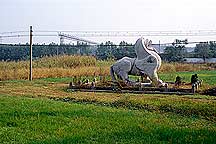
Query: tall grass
x=63, y=61
x=184, y=67
x=63, y=66
x=68, y=66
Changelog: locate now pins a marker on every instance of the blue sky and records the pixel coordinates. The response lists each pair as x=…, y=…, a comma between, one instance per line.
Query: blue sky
x=108, y=15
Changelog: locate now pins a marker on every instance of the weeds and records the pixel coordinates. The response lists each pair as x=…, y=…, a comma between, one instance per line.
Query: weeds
x=47, y=67
x=69, y=66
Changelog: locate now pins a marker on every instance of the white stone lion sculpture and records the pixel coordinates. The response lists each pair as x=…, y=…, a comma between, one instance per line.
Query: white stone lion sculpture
x=147, y=63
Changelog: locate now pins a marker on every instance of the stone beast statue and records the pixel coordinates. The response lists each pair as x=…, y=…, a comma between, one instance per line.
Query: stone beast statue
x=147, y=63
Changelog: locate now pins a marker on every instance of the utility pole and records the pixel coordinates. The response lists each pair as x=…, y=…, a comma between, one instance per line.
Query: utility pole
x=57, y=50
x=159, y=47
x=30, y=68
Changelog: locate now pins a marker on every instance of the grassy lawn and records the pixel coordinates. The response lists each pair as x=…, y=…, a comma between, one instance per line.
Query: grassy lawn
x=208, y=77
x=42, y=111
x=28, y=120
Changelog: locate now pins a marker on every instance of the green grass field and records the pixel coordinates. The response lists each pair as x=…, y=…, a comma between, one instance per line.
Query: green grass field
x=208, y=77
x=42, y=111
x=27, y=120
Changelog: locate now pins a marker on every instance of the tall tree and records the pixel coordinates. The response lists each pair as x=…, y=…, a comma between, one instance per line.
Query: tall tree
x=105, y=51
x=124, y=49
x=203, y=50
x=174, y=53
x=212, y=47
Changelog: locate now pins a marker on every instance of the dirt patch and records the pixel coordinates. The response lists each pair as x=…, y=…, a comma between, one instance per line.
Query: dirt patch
x=210, y=92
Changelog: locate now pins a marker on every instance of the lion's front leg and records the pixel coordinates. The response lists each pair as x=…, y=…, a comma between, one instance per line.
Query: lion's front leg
x=154, y=79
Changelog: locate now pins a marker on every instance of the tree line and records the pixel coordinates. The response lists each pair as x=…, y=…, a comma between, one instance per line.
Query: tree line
x=205, y=50
x=177, y=52
x=108, y=50
x=21, y=52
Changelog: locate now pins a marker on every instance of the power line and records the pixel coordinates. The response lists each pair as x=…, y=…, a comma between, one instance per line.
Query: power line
x=37, y=35
x=12, y=32
x=125, y=33
x=9, y=36
x=136, y=33
x=118, y=34
x=71, y=37
x=79, y=34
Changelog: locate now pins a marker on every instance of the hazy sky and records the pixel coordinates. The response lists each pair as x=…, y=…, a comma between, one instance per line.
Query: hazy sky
x=108, y=15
